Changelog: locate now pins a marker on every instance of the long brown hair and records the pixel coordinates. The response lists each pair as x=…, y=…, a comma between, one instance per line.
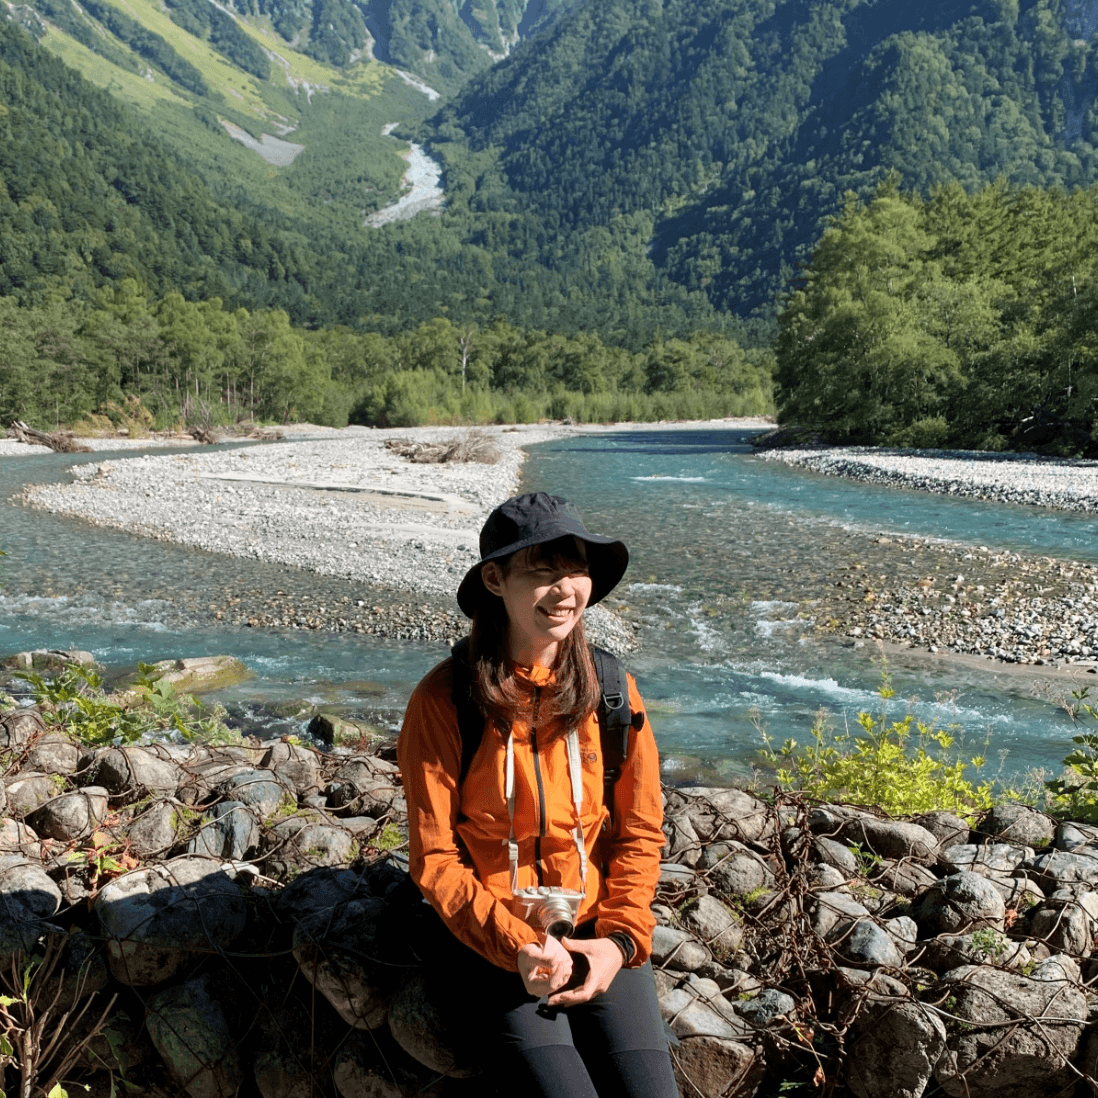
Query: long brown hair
x=499, y=693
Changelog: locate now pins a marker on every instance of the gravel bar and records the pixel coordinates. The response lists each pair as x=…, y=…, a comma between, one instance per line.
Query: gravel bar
x=336, y=503
x=1068, y=485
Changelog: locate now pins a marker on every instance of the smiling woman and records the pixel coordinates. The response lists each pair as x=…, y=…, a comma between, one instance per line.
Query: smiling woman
x=546, y=892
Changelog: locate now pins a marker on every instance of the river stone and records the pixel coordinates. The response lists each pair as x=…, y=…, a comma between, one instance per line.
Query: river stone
x=676, y=876
x=832, y=907
x=683, y=844
x=689, y=1015
x=309, y=840
x=905, y=878
x=17, y=838
x=26, y=792
x=26, y=883
x=1004, y=1054
x=19, y=726
x=203, y=777
x=72, y=815
x=892, y=1047
x=826, y=878
x=155, y=830
x=735, y=868
x=959, y=902
x=709, y=991
x=361, y=1070
x=58, y=659
x=422, y=1018
x=357, y=785
x=135, y=772
x=260, y=790
x=342, y=970
x=157, y=919
x=892, y=839
x=202, y=674
x=762, y=1009
x=1018, y=824
x=1019, y=893
x=947, y=828
x=297, y=766
x=727, y=814
x=1071, y=835
x=229, y=830
x=864, y=944
x=677, y=949
x=835, y=853
x=1058, y=868
x=705, y=1065
x=949, y=951
x=714, y=924
x=987, y=859
x=27, y=896
x=190, y=1031
x=1067, y=922
x=281, y=1067
x=82, y=971
x=54, y=753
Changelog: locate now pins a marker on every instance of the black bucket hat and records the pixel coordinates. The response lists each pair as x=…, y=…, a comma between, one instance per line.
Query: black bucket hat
x=534, y=519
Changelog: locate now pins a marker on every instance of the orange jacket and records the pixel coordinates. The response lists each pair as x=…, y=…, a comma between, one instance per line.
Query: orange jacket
x=459, y=837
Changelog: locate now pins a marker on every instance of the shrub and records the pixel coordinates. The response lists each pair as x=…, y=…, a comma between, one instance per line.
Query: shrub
x=902, y=766
x=1076, y=793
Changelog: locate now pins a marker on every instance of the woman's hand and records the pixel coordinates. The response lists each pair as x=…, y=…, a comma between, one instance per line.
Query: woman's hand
x=604, y=958
x=546, y=967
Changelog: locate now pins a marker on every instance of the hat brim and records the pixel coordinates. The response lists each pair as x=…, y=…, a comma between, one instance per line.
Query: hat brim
x=607, y=560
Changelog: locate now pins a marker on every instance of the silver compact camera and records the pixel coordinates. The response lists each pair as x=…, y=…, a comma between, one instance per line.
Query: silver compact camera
x=550, y=908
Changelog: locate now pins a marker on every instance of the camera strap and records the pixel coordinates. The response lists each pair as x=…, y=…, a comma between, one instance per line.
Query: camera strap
x=575, y=773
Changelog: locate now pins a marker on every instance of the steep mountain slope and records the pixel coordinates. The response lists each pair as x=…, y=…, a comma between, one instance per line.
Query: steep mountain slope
x=736, y=126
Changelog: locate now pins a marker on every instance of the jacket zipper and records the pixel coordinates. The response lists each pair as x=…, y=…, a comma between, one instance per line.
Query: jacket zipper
x=541, y=787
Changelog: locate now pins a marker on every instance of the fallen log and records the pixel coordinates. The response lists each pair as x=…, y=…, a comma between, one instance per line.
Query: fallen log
x=64, y=442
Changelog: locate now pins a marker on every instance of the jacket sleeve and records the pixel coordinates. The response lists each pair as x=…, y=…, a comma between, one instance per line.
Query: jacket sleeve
x=634, y=843
x=429, y=753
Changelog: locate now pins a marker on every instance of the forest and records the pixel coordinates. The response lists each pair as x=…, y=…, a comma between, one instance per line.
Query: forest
x=956, y=320
x=133, y=362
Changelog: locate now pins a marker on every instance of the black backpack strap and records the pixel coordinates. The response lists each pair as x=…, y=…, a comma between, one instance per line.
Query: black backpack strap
x=615, y=720
x=470, y=718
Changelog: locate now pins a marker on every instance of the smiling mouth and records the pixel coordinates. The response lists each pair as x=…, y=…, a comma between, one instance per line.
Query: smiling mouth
x=562, y=614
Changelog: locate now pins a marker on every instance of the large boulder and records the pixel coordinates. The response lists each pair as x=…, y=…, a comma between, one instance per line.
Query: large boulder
x=724, y=813
x=348, y=932
x=422, y=1019
x=228, y=830
x=19, y=726
x=27, y=896
x=1019, y=824
x=190, y=1031
x=157, y=919
x=71, y=816
x=295, y=765
x=1021, y=1035
x=202, y=674
x=960, y=902
x=892, y=1047
x=130, y=773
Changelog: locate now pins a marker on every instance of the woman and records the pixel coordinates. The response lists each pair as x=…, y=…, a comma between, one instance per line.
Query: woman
x=576, y=1017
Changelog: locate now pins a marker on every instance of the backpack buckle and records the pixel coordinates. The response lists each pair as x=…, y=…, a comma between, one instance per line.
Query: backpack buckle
x=613, y=701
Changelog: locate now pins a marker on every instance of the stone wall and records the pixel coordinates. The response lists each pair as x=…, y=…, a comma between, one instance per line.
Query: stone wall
x=215, y=921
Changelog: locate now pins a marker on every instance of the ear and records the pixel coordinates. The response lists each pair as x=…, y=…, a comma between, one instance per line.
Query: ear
x=491, y=575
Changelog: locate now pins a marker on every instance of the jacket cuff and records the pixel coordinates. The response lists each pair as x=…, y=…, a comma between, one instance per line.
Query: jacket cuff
x=626, y=944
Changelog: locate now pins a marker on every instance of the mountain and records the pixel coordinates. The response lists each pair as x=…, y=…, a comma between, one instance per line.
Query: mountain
x=735, y=127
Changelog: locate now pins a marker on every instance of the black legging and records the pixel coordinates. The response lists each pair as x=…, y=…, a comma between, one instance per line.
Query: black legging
x=614, y=1046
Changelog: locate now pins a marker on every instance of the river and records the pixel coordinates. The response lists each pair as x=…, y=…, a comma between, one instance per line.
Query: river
x=729, y=554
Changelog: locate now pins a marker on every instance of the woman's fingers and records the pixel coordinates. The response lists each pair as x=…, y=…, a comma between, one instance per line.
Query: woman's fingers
x=603, y=958
x=544, y=967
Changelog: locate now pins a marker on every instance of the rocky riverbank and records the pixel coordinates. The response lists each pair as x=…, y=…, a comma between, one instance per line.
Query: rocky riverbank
x=215, y=920
x=1069, y=485
x=1009, y=607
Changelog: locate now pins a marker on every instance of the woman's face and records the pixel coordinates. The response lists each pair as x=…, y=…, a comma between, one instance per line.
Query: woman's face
x=545, y=594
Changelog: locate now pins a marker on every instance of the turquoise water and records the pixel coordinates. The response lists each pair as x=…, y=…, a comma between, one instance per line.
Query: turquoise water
x=728, y=552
